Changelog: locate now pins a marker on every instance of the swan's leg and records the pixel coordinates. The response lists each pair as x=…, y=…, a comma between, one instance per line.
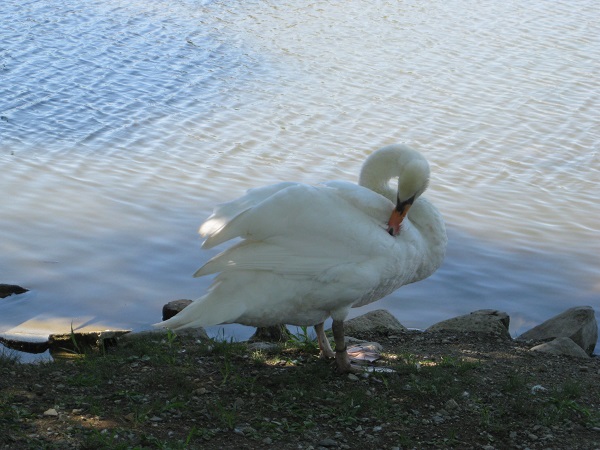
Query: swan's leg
x=324, y=346
x=341, y=354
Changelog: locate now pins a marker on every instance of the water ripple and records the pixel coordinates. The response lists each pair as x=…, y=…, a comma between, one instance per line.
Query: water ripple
x=123, y=122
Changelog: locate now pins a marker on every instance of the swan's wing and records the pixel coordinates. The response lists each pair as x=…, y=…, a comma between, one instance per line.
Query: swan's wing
x=304, y=230
x=224, y=213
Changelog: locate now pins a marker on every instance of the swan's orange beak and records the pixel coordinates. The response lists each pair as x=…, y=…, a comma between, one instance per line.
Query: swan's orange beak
x=398, y=216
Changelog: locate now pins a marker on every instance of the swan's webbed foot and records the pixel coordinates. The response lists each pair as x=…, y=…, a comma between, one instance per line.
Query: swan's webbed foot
x=326, y=355
x=359, y=354
x=344, y=365
x=363, y=353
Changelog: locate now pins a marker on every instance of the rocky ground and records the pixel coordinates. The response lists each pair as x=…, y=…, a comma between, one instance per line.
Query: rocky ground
x=446, y=390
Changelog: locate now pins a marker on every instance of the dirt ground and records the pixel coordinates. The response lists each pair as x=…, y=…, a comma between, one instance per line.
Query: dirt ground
x=439, y=390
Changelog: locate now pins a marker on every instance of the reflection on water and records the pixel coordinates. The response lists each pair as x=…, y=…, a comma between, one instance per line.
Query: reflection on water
x=123, y=123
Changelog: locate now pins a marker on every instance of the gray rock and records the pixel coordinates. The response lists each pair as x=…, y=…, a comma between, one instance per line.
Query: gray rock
x=160, y=333
x=276, y=333
x=171, y=309
x=578, y=323
x=451, y=404
x=265, y=347
x=25, y=346
x=483, y=321
x=561, y=346
x=68, y=344
x=174, y=307
x=196, y=333
x=10, y=289
x=380, y=321
x=328, y=443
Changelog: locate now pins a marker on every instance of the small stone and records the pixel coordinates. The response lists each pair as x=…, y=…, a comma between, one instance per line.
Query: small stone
x=451, y=404
x=538, y=388
x=267, y=441
x=437, y=419
x=265, y=347
x=328, y=442
x=51, y=412
x=352, y=377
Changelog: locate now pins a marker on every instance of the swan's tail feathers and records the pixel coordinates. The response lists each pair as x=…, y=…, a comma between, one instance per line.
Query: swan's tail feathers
x=204, y=312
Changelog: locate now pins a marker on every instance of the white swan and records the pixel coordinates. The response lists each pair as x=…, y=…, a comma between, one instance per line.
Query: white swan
x=313, y=252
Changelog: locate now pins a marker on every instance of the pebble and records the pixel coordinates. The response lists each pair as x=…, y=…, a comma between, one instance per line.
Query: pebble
x=538, y=388
x=328, y=442
x=352, y=377
x=51, y=412
x=451, y=404
x=437, y=419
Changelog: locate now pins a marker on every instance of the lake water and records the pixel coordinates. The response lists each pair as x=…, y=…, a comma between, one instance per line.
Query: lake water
x=122, y=123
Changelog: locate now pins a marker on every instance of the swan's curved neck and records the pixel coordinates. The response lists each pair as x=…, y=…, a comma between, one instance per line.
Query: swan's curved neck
x=395, y=161
x=377, y=178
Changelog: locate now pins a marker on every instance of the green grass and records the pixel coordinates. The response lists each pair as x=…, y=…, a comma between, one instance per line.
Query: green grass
x=151, y=384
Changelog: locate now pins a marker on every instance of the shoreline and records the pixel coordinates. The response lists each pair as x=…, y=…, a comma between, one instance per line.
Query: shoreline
x=441, y=389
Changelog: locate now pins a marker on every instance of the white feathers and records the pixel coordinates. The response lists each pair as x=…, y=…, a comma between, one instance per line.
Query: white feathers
x=310, y=252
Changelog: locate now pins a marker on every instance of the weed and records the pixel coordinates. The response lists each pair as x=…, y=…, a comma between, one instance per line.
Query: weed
x=226, y=415
x=303, y=340
x=562, y=405
x=515, y=383
x=77, y=350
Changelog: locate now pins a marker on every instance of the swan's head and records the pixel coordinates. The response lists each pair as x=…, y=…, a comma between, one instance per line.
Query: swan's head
x=411, y=184
x=401, y=162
